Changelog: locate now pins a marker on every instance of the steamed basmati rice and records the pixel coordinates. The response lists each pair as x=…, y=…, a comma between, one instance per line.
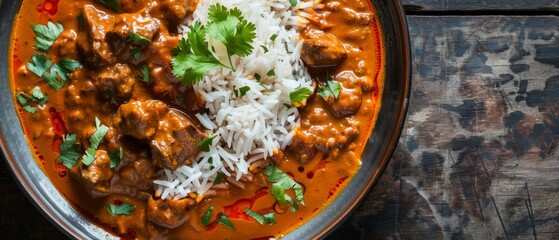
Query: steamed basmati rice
x=252, y=127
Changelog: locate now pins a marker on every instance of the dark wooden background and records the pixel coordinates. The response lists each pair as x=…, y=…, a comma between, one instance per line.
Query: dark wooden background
x=478, y=157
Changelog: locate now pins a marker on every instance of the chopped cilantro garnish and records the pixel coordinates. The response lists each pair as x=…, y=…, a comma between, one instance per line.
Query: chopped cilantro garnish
x=273, y=37
x=330, y=89
x=46, y=35
x=207, y=216
x=36, y=96
x=39, y=65
x=116, y=157
x=293, y=2
x=268, y=218
x=242, y=91
x=257, y=77
x=205, y=144
x=69, y=151
x=146, y=76
x=137, y=39
x=287, y=105
x=271, y=73
x=94, y=142
x=225, y=221
x=135, y=53
x=282, y=182
x=122, y=209
x=219, y=178
x=193, y=58
x=22, y=99
x=110, y=4
x=299, y=95
x=264, y=48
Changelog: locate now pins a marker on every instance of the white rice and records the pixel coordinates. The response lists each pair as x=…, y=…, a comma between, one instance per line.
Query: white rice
x=252, y=127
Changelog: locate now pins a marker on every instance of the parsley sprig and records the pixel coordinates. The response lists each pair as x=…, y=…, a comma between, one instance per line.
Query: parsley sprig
x=46, y=35
x=36, y=96
x=194, y=59
x=122, y=209
x=69, y=151
x=55, y=75
x=94, y=141
x=282, y=182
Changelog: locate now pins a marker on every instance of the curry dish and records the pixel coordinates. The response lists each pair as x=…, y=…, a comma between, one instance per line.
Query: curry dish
x=107, y=111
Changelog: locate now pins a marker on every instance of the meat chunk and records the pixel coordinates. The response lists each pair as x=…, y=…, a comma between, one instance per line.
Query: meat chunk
x=91, y=40
x=349, y=100
x=174, y=142
x=168, y=213
x=97, y=176
x=174, y=11
x=136, y=174
x=116, y=81
x=139, y=119
x=322, y=49
x=321, y=131
x=119, y=35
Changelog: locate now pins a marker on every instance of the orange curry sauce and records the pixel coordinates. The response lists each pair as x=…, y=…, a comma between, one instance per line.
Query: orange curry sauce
x=323, y=176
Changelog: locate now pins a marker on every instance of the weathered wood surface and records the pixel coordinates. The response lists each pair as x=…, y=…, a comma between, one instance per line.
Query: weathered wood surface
x=460, y=5
x=480, y=140
x=478, y=158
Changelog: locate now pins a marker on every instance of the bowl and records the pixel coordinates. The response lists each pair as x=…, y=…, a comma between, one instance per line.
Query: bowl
x=379, y=148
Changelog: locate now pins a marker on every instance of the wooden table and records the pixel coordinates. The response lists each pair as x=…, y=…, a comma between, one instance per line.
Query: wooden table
x=478, y=157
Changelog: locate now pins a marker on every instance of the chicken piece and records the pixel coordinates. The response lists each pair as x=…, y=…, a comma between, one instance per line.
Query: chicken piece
x=96, y=178
x=91, y=40
x=168, y=213
x=116, y=81
x=139, y=119
x=174, y=142
x=321, y=49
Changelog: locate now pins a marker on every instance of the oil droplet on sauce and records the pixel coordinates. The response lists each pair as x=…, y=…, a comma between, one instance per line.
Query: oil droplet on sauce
x=48, y=6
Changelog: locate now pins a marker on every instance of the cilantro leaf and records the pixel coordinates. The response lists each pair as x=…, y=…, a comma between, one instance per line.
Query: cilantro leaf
x=135, y=53
x=94, y=142
x=299, y=95
x=36, y=96
x=219, y=178
x=242, y=91
x=39, y=64
x=69, y=151
x=193, y=60
x=271, y=73
x=137, y=39
x=122, y=209
x=259, y=218
x=116, y=157
x=293, y=2
x=60, y=70
x=225, y=221
x=264, y=48
x=46, y=35
x=146, y=75
x=282, y=182
x=22, y=99
x=273, y=37
x=330, y=89
x=110, y=4
x=207, y=216
x=206, y=143
x=269, y=218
